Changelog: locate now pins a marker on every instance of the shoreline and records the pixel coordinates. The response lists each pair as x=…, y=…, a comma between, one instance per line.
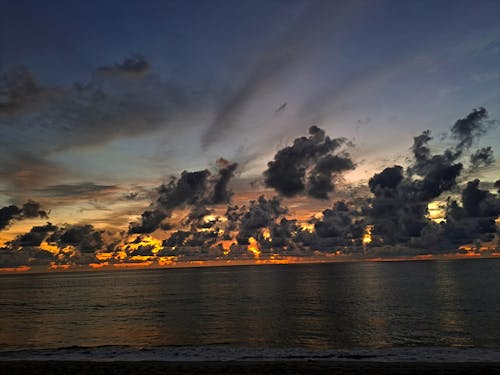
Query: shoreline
x=245, y=367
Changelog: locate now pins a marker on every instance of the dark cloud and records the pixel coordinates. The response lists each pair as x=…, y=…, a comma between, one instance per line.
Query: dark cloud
x=340, y=226
x=307, y=166
x=398, y=210
x=13, y=257
x=135, y=64
x=260, y=214
x=386, y=181
x=468, y=129
x=226, y=172
x=7, y=214
x=395, y=211
x=475, y=219
x=25, y=171
x=320, y=178
x=73, y=244
x=195, y=189
x=83, y=189
x=29, y=210
x=150, y=221
x=399, y=206
x=25, y=250
x=34, y=237
x=83, y=237
x=482, y=157
x=17, y=89
x=120, y=101
x=32, y=209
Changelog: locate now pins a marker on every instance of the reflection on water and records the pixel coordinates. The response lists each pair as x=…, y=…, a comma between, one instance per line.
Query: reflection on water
x=371, y=305
x=449, y=318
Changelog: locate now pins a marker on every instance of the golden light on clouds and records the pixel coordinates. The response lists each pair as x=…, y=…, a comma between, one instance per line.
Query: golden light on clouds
x=367, y=235
x=309, y=227
x=436, y=211
x=253, y=247
x=144, y=242
x=266, y=234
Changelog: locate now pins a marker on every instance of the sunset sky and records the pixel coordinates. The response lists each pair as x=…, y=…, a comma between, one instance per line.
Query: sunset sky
x=102, y=102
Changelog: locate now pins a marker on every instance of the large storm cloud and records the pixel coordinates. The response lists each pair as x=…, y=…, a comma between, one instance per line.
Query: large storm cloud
x=192, y=189
x=399, y=207
x=28, y=210
x=307, y=166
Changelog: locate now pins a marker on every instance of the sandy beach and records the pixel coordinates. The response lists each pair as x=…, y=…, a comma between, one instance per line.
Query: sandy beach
x=229, y=367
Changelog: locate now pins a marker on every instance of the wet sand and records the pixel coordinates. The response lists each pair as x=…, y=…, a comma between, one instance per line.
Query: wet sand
x=288, y=367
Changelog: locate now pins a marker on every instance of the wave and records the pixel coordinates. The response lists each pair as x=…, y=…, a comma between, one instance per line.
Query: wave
x=226, y=353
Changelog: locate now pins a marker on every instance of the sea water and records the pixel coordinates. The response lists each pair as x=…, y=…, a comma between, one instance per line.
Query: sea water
x=415, y=310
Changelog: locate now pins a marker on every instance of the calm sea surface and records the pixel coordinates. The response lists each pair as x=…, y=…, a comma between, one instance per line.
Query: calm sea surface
x=313, y=306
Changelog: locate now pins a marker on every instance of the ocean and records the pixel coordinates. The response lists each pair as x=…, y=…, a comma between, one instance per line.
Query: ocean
x=434, y=310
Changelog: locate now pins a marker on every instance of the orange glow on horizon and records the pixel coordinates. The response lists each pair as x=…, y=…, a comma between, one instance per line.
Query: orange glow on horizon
x=132, y=265
x=15, y=269
x=104, y=256
x=253, y=247
x=167, y=260
x=55, y=266
x=98, y=265
x=367, y=236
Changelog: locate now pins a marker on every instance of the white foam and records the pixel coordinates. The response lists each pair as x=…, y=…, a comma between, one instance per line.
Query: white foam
x=221, y=353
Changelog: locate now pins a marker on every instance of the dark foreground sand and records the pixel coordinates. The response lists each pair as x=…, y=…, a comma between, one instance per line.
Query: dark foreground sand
x=290, y=367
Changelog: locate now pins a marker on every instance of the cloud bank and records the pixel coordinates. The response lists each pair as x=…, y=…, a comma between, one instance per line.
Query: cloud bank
x=392, y=220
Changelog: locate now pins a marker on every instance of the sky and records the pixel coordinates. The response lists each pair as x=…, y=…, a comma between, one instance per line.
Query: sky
x=311, y=104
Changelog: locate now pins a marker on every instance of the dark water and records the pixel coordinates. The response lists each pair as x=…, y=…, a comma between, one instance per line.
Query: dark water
x=318, y=306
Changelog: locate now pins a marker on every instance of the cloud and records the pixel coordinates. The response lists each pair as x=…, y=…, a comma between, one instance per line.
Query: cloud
x=482, y=157
x=260, y=214
x=7, y=214
x=34, y=237
x=69, y=244
x=24, y=170
x=198, y=188
x=133, y=65
x=398, y=210
x=29, y=210
x=391, y=219
x=316, y=21
x=83, y=238
x=118, y=101
x=221, y=194
x=340, y=226
x=307, y=166
x=475, y=219
x=17, y=89
x=82, y=189
x=25, y=248
x=10, y=257
x=469, y=128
